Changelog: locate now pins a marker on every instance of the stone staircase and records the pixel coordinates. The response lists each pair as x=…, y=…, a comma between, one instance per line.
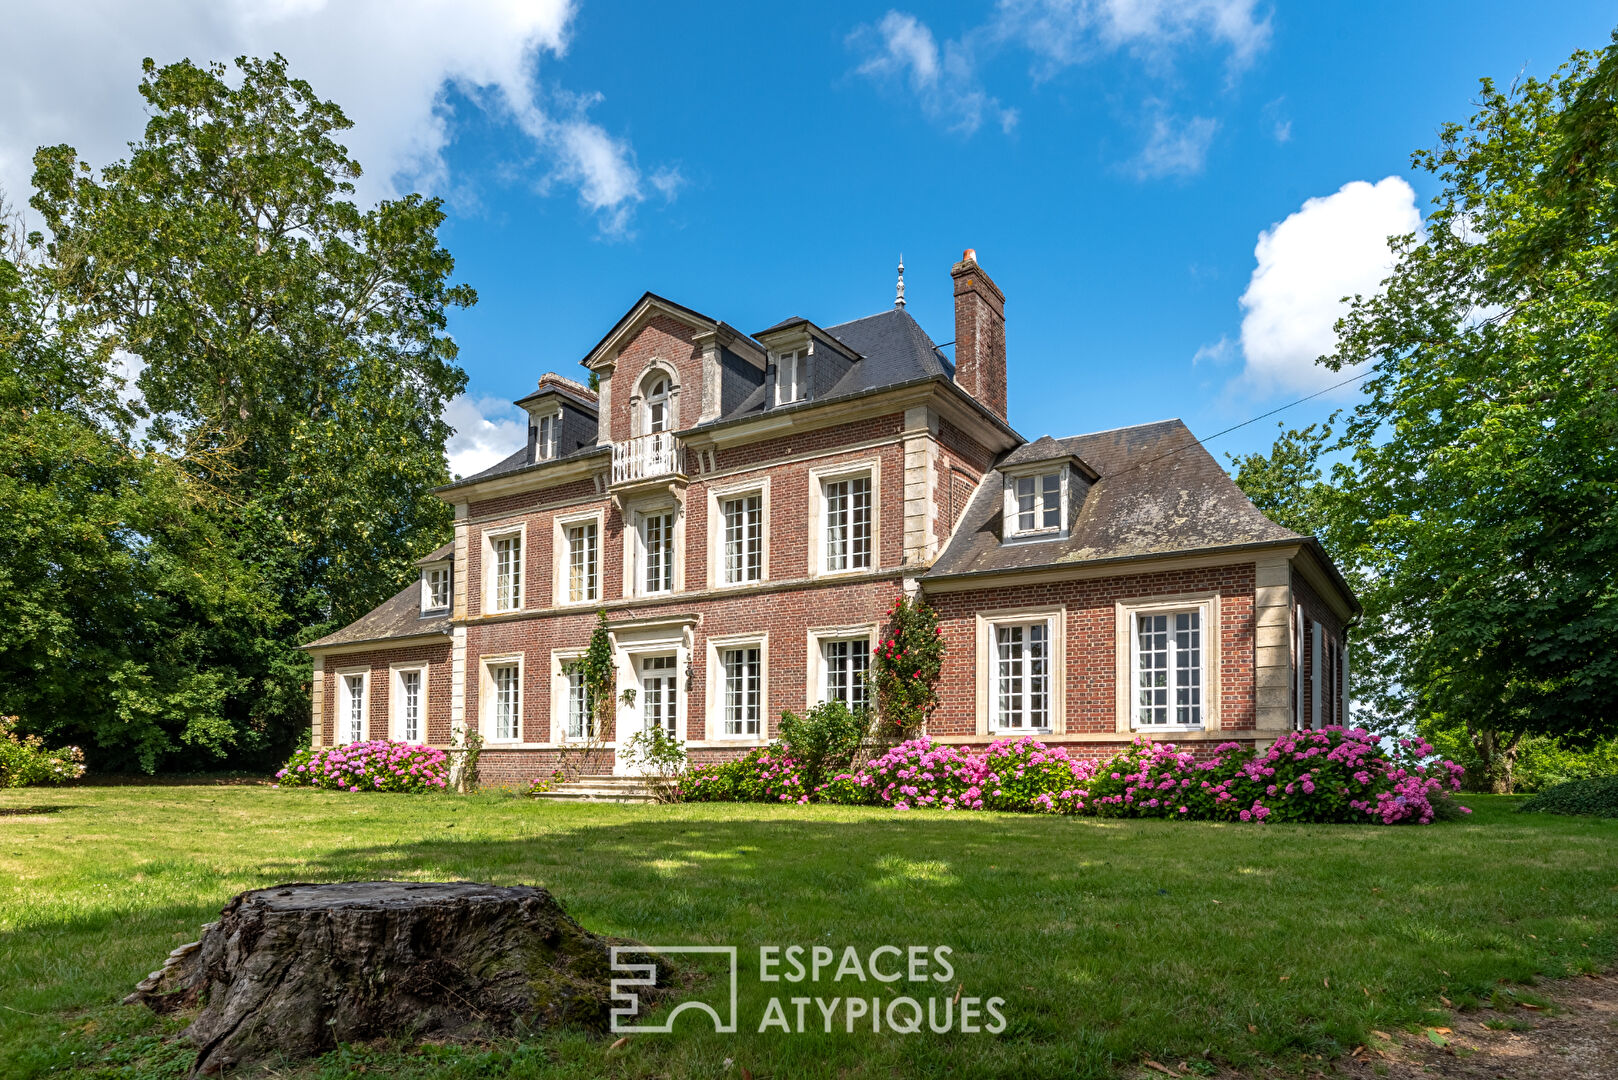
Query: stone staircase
x=618, y=789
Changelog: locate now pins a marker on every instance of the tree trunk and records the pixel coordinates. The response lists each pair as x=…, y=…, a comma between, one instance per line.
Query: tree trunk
x=1498, y=752
x=295, y=969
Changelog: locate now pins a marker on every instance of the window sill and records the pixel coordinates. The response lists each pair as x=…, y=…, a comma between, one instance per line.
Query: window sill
x=1003, y=733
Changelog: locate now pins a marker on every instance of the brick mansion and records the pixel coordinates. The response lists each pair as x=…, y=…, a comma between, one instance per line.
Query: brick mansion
x=744, y=507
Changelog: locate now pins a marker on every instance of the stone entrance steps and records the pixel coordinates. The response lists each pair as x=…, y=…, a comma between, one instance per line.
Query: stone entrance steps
x=619, y=789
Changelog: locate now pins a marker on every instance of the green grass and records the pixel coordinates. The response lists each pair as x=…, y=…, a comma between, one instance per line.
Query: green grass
x=1112, y=942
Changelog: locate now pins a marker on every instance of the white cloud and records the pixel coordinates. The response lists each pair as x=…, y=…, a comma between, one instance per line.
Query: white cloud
x=487, y=430
x=1067, y=32
x=1333, y=246
x=1176, y=147
x=902, y=49
x=944, y=79
x=72, y=77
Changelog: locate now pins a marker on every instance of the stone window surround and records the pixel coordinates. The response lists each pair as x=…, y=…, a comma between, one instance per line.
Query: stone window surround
x=818, y=478
x=343, y=700
x=560, y=568
x=634, y=575
x=717, y=497
x=814, y=682
x=639, y=418
x=1009, y=530
x=1212, y=663
x=396, y=673
x=714, y=704
x=987, y=667
x=490, y=569
x=559, y=694
x=487, y=703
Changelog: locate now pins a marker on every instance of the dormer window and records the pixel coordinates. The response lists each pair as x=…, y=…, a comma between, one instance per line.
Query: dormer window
x=657, y=405
x=791, y=377
x=436, y=588
x=546, y=436
x=1036, y=504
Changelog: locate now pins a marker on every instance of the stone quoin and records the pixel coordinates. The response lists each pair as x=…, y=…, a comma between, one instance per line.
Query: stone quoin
x=745, y=507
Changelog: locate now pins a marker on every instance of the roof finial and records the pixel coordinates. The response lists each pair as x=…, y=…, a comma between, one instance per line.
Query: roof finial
x=899, y=297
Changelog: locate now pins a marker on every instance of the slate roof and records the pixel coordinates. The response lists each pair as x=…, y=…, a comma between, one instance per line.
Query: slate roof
x=1160, y=493
x=438, y=554
x=518, y=461
x=395, y=618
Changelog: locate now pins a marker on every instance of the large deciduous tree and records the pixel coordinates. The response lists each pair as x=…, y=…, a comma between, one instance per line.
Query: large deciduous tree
x=1475, y=495
x=292, y=343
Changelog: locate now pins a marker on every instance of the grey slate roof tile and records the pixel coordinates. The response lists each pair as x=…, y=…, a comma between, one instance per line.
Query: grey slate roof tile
x=395, y=618
x=1160, y=493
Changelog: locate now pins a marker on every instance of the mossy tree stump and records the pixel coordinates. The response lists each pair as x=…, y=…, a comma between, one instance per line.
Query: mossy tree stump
x=295, y=969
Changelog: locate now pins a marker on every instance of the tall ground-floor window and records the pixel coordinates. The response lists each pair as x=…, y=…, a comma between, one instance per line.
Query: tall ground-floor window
x=1022, y=676
x=1168, y=661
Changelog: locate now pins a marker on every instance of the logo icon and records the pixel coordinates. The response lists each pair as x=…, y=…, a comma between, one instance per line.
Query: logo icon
x=645, y=975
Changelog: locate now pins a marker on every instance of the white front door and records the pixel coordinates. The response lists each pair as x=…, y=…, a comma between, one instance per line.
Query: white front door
x=657, y=704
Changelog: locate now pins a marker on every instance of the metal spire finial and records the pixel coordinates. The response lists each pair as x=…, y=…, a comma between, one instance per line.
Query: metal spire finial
x=899, y=297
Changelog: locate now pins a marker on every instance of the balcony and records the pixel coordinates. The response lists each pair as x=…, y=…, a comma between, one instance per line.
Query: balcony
x=648, y=459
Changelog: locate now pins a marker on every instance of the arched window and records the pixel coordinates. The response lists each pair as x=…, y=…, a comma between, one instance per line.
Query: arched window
x=658, y=402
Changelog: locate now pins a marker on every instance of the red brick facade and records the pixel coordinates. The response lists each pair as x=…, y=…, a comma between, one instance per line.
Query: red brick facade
x=919, y=498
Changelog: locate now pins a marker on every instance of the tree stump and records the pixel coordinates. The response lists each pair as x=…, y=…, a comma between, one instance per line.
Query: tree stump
x=295, y=969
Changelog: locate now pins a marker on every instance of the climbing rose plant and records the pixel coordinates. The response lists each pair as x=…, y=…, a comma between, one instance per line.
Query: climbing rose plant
x=378, y=765
x=905, y=665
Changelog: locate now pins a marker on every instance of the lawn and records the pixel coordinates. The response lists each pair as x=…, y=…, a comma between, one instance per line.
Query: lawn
x=1111, y=942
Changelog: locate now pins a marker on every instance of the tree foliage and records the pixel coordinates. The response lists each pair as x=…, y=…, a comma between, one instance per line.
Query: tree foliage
x=293, y=366
x=1474, y=494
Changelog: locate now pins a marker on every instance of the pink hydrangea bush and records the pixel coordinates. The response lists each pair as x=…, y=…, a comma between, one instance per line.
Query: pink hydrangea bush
x=378, y=765
x=767, y=774
x=1331, y=775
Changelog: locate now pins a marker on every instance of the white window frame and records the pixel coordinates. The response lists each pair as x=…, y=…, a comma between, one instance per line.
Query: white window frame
x=562, y=698
x=635, y=554
x=447, y=569
x=716, y=703
x=829, y=474
x=491, y=570
x=1010, y=508
x=488, y=705
x=561, y=557
x=342, y=731
x=795, y=388
x=396, y=700
x=1128, y=665
x=547, y=434
x=815, y=685
x=987, y=667
x=717, y=498
x=650, y=399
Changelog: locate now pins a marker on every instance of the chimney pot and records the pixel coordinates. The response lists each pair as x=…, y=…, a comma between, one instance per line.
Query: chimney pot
x=969, y=255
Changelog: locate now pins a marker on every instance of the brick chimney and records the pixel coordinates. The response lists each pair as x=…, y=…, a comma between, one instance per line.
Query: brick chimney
x=980, y=335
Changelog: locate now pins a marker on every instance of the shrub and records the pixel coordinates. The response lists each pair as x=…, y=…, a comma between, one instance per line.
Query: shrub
x=905, y=665
x=764, y=775
x=1598, y=796
x=1023, y=775
x=825, y=741
x=25, y=761
x=378, y=765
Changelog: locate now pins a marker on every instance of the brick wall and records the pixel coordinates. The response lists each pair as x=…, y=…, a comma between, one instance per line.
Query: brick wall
x=673, y=342
x=1091, y=649
x=378, y=663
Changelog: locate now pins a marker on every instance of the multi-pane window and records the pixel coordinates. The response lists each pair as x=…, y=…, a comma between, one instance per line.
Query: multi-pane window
x=845, y=664
x=508, y=572
x=353, y=729
x=581, y=722
x=545, y=438
x=657, y=406
x=660, y=691
x=848, y=523
x=657, y=548
x=438, y=588
x=410, y=706
x=744, y=538
x=790, y=382
x=1168, y=666
x=1023, y=676
x=1039, y=502
x=506, y=682
x=583, y=573
x=744, y=706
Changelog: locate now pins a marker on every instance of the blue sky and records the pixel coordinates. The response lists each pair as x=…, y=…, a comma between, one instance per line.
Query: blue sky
x=1114, y=164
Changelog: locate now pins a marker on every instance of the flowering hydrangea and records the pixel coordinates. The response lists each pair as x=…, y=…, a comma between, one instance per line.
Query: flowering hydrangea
x=1019, y=775
x=763, y=775
x=378, y=765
